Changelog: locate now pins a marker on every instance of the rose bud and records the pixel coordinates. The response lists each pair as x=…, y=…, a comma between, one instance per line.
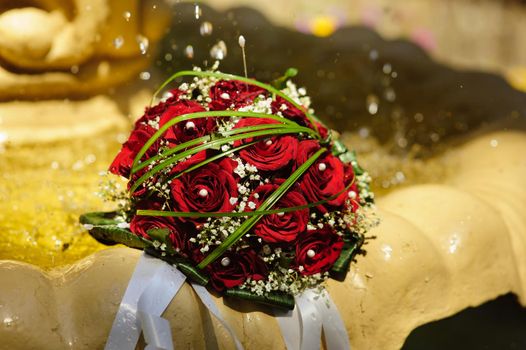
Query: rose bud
x=206, y=189
x=233, y=269
x=226, y=93
x=280, y=227
x=317, y=250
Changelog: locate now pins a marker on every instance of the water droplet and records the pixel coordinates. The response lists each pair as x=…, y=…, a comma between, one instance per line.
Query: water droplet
x=373, y=55
x=145, y=75
x=197, y=11
x=168, y=57
x=74, y=69
x=390, y=94
x=8, y=322
x=218, y=51
x=419, y=117
x=372, y=104
x=364, y=132
x=189, y=51
x=206, y=28
x=494, y=143
x=143, y=42
x=387, y=68
x=126, y=15
x=118, y=42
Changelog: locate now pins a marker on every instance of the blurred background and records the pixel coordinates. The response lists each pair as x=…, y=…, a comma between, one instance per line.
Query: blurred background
x=403, y=81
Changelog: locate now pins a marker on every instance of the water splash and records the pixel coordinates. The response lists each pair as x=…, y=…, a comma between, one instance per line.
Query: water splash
x=145, y=75
x=118, y=42
x=371, y=103
x=189, y=51
x=218, y=51
x=144, y=43
x=206, y=28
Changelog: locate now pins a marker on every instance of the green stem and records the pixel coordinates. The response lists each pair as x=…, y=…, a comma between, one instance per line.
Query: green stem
x=268, y=203
x=214, y=143
x=203, y=139
x=194, y=214
x=312, y=119
x=205, y=114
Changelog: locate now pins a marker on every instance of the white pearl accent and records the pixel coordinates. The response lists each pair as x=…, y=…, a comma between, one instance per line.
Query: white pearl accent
x=225, y=96
x=190, y=125
x=352, y=194
x=225, y=261
x=281, y=213
x=311, y=253
x=203, y=193
x=322, y=166
x=268, y=143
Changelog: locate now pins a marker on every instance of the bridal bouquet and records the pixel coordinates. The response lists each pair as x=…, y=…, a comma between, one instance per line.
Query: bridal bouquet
x=241, y=187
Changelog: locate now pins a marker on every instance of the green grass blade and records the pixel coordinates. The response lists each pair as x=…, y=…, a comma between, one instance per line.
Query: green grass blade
x=212, y=144
x=268, y=203
x=312, y=119
x=194, y=214
x=199, y=140
x=205, y=114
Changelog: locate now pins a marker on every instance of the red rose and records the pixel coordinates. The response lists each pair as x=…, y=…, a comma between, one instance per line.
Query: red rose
x=233, y=269
x=178, y=234
x=227, y=93
x=317, y=250
x=324, y=179
x=189, y=129
x=122, y=163
x=289, y=111
x=284, y=227
x=270, y=154
x=184, y=164
x=151, y=112
x=207, y=189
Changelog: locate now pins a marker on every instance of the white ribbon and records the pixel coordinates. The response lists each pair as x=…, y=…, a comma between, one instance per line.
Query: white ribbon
x=152, y=287
x=301, y=328
x=127, y=327
x=212, y=307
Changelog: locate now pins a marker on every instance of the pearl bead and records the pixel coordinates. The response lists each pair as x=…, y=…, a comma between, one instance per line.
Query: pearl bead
x=311, y=253
x=203, y=193
x=352, y=194
x=225, y=261
x=268, y=143
x=322, y=166
x=190, y=125
x=225, y=96
x=281, y=213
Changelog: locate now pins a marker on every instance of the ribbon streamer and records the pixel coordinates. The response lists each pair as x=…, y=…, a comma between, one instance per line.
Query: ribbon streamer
x=152, y=287
x=301, y=328
x=126, y=327
x=212, y=307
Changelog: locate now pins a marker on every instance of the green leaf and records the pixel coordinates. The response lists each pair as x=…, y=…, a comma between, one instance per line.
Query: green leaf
x=159, y=234
x=351, y=247
x=182, y=264
x=280, y=82
x=274, y=299
x=268, y=203
x=105, y=230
